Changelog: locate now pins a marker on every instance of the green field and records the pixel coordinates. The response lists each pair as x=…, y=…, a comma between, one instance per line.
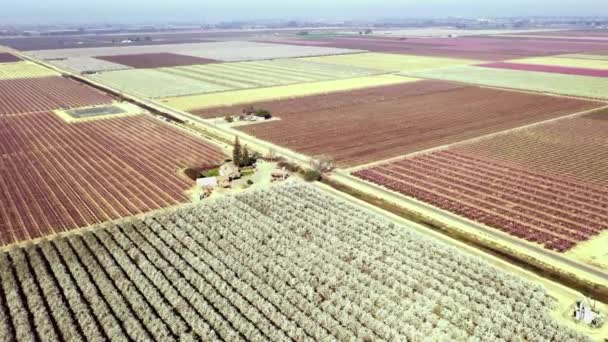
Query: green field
x=391, y=62
x=566, y=62
x=24, y=70
x=580, y=86
x=585, y=56
x=281, y=92
x=268, y=73
x=156, y=83
x=209, y=78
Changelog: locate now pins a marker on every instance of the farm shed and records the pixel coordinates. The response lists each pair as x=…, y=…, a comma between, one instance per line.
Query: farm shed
x=230, y=171
x=279, y=175
x=207, y=182
x=585, y=314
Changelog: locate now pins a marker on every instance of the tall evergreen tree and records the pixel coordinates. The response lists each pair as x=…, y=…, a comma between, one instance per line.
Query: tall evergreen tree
x=246, y=159
x=237, y=152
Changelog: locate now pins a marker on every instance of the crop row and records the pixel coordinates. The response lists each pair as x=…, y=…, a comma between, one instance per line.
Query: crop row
x=269, y=73
x=207, y=78
x=300, y=105
x=410, y=117
x=46, y=93
x=573, y=61
x=548, y=68
x=391, y=62
x=574, y=148
x=20, y=70
x=58, y=176
x=479, y=48
x=286, y=263
x=573, y=85
x=529, y=205
x=155, y=83
x=238, y=98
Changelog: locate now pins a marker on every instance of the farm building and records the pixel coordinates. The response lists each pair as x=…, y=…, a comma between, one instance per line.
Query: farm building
x=207, y=182
x=586, y=315
x=279, y=175
x=230, y=171
x=213, y=182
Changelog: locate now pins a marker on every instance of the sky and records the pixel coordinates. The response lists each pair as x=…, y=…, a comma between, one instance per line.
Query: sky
x=51, y=11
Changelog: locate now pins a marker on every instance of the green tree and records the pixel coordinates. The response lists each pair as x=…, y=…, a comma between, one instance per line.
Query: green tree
x=312, y=175
x=263, y=113
x=237, y=152
x=245, y=159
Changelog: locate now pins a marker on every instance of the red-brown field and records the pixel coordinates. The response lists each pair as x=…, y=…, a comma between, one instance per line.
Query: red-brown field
x=18, y=96
x=335, y=100
x=548, y=68
x=547, y=184
x=56, y=176
x=480, y=48
x=574, y=148
x=530, y=205
x=364, y=126
x=156, y=60
x=8, y=58
x=569, y=33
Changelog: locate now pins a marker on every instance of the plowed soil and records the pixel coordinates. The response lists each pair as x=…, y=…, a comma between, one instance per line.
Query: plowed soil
x=156, y=60
x=364, y=126
x=8, y=58
x=28, y=95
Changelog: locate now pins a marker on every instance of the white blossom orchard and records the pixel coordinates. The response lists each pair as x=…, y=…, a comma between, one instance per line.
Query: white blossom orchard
x=287, y=263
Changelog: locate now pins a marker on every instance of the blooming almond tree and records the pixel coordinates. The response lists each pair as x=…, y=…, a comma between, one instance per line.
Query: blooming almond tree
x=285, y=263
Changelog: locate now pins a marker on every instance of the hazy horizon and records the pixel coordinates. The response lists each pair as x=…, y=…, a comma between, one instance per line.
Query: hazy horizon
x=72, y=11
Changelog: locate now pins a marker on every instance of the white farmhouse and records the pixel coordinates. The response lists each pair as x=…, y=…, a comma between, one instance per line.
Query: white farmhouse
x=207, y=182
x=586, y=315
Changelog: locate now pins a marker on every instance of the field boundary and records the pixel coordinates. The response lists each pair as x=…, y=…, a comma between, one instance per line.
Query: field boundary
x=477, y=228
x=529, y=91
x=527, y=262
x=563, y=295
x=381, y=73
x=84, y=229
x=402, y=79
x=472, y=140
